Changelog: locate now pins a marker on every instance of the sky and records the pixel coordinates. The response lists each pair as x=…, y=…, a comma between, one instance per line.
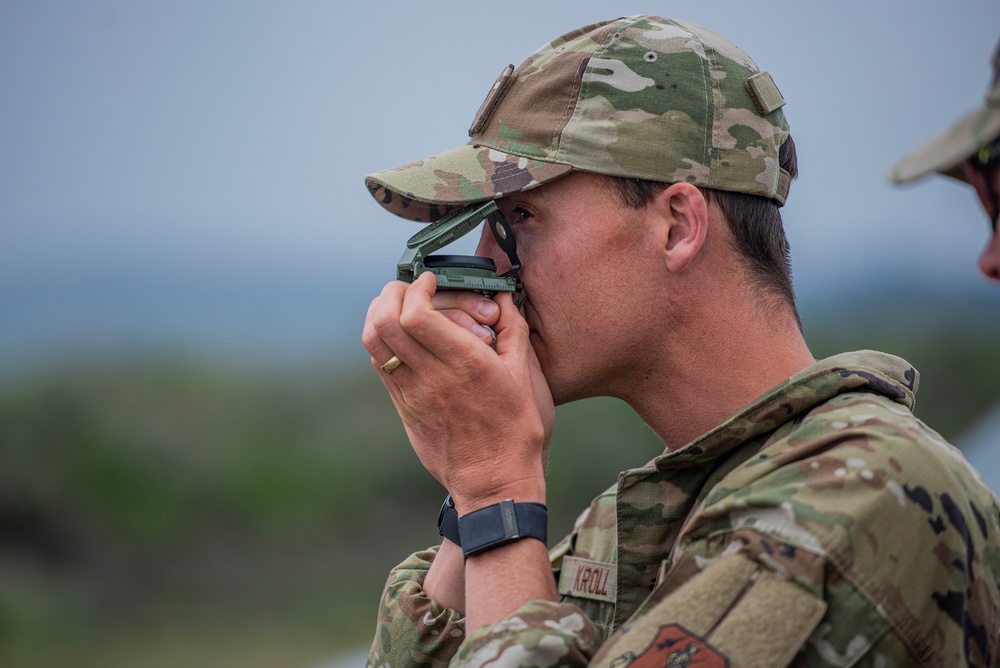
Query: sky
x=187, y=174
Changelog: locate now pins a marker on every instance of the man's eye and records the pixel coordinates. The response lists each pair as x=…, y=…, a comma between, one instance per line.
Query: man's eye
x=520, y=214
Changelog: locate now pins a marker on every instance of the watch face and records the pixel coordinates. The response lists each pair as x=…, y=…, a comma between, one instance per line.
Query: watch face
x=448, y=521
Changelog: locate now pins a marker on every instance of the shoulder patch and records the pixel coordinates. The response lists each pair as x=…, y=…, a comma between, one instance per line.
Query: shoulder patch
x=674, y=646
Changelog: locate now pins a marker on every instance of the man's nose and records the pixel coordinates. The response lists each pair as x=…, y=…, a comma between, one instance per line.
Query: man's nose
x=989, y=260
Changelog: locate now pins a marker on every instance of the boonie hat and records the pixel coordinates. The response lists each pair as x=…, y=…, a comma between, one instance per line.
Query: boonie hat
x=947, y=152
x=641, y=97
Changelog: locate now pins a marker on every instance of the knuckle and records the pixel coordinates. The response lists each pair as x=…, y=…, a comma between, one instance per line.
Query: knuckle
x=411, y=320
x=369, y=339
x=381, y=320
x=517, y=325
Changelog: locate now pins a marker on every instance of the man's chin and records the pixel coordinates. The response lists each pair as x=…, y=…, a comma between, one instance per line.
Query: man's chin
x=559, y=397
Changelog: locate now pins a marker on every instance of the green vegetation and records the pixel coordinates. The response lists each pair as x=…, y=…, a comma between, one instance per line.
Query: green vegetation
x=156, y=512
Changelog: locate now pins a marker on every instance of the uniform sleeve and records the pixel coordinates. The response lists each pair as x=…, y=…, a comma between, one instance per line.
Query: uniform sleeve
x=540, y=633
x=412, y=629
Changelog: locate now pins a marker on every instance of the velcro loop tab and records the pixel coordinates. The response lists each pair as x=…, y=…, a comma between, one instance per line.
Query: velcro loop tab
x=772, y=608
x=734, y=612
x=489, y=105
x=784, y=184
x=696, y=607
x=764, y=93
x=704, y=599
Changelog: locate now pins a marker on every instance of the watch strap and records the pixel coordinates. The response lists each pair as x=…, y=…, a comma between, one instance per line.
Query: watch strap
x=448, y=521
x=502, y=523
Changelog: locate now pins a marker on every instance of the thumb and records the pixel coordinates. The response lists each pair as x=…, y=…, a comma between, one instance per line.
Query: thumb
x=511, y=327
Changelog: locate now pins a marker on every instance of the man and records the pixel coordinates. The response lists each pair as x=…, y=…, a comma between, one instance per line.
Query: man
x=799, y=513
x=968, y=151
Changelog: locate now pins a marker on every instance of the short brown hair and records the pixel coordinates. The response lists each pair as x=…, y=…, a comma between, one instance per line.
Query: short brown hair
x=755, y=225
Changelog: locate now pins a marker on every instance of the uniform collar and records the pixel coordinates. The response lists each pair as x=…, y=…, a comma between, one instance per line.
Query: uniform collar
x=862, y=371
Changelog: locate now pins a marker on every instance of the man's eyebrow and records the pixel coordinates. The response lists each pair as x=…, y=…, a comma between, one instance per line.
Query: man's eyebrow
x=535, y=194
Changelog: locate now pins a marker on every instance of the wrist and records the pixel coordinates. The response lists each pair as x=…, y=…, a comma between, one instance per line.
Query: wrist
x=521, y=492
x=502, y=523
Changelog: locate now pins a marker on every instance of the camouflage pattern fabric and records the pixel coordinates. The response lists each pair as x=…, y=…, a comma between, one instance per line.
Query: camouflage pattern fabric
x=947, y=152
x=826, y=490
x=640, y=97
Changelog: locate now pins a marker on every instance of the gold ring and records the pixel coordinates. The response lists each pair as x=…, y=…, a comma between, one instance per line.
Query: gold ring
x=390, y=366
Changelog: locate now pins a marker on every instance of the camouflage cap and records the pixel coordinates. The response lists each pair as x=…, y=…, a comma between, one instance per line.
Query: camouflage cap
x=948, y=152
x=639, y=97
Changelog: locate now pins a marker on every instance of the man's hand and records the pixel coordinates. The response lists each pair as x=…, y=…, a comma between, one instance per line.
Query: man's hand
x=479, y=420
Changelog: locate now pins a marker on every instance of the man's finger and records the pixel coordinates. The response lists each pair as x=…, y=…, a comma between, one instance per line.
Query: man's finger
x=479, y=307
x=433, y=329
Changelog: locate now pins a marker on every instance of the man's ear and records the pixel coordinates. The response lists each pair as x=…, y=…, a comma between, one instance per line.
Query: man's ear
x=682, y=216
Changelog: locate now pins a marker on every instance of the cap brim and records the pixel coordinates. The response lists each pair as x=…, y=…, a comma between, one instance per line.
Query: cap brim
x=427, y=189
x=947, y=152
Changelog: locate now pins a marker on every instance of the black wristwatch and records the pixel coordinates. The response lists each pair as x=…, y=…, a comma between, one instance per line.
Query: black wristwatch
x=448, y=521
x=502, y=523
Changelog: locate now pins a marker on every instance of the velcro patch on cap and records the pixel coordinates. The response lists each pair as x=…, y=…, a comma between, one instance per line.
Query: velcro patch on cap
x=764, y=93
x=489, y=105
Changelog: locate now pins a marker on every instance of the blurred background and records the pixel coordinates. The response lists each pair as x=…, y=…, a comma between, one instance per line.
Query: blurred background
x=197, y=464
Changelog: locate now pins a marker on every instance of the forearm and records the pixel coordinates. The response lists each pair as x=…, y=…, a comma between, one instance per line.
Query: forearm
x=512, y=608
x=445, y=580
x=502, y=574
x=513, y=616
x=511, y=600
x=500, y=581
x=412, y=627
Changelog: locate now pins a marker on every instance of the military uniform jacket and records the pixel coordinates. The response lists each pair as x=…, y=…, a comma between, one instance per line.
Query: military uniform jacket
x=822, y=525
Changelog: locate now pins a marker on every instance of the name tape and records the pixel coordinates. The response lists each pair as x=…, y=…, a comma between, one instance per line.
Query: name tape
x=593, y=580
